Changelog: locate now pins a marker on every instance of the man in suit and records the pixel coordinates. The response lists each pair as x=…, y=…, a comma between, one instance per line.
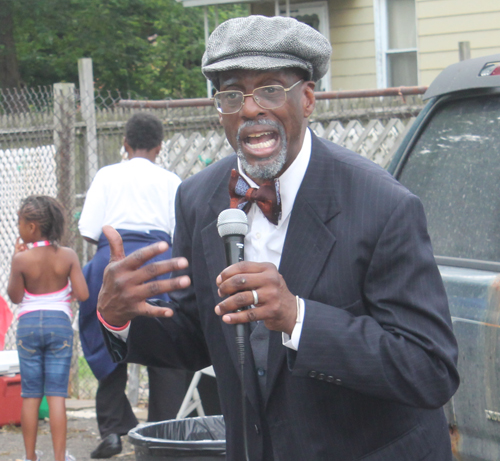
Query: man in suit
x=351, y=354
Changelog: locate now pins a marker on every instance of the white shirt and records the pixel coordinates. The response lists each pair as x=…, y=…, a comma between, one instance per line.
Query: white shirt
x=264, y=240
x=135, y=195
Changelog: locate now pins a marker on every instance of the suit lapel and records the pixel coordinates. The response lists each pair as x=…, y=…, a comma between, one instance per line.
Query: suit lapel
x=213, y=248
x=308, y=241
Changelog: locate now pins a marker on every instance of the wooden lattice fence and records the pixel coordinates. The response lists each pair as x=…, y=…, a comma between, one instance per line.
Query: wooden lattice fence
x=376, y=140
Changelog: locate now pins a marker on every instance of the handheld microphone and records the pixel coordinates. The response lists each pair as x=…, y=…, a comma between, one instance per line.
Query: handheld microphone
x=232, y=226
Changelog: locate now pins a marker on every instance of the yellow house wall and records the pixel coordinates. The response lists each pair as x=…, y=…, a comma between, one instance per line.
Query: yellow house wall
x=352, y=36
x=442, y=24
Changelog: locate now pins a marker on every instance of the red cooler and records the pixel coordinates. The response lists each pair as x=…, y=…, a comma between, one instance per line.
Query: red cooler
x=10, y=400
x=10, y=388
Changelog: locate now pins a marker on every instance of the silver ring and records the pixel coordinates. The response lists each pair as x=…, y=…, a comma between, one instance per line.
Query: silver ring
x=255, y=298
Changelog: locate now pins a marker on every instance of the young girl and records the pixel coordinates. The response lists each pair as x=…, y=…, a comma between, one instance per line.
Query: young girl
x=44, y=278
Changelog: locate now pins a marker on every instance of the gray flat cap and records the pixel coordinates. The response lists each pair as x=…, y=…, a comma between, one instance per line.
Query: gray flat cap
x=262, y=43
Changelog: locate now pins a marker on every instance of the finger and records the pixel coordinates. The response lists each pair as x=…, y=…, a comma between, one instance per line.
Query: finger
x=240, y=300
x=157, y=287
x=247, y=282
x=246, y=316
x=141, y=256
x=148, y=310
x=115, y=243
x=243, y=267
x=159, y=268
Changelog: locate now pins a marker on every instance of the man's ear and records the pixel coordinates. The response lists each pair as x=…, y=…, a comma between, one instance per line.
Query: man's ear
x=309, y=98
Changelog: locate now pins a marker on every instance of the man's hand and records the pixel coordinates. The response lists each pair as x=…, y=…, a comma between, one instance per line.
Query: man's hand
x=277, y=307
x=126, y=286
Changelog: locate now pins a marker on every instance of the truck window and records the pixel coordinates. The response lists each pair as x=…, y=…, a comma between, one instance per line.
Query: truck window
x=454, y=168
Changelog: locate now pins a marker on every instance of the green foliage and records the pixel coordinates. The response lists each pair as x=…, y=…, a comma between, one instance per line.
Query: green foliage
x=151, y=48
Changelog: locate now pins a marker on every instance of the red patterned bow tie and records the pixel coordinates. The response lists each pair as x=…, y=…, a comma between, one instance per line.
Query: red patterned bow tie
x=267, y=196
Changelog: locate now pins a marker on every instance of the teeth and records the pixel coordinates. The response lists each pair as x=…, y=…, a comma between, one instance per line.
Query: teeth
x=257, y=135
x=262, y=145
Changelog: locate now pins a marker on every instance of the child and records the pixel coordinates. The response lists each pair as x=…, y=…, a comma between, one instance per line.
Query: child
x=43, y=280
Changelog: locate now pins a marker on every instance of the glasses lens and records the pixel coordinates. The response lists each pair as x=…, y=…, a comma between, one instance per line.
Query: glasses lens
x=229, y=101
x=270, y=97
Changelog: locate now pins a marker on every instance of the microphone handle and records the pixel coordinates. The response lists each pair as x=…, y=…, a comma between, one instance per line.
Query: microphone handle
x=234, y=246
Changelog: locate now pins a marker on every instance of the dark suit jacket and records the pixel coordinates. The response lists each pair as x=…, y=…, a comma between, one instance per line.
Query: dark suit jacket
x=377, y=356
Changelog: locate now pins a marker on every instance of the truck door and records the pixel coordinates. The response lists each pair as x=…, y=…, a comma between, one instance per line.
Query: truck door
x=453, y=164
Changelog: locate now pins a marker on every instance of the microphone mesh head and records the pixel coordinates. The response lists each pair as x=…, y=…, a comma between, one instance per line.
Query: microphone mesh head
x=232, y=222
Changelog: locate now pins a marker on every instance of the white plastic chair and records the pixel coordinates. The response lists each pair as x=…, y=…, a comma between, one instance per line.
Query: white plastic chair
x=192, y=398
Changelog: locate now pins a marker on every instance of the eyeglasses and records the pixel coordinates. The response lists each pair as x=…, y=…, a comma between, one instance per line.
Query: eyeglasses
x=267, y=97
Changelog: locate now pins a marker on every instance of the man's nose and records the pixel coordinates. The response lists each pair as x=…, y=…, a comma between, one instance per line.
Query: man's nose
x=250, y=108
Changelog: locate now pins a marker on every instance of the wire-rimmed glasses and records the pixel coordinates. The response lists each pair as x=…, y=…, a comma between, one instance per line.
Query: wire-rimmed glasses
x=267, y=97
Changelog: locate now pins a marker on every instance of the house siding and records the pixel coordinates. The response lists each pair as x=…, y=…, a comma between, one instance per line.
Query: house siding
x=442, y=24
x=352, y=37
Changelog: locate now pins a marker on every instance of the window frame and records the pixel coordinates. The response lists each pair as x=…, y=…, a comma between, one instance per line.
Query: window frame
x=382, y=50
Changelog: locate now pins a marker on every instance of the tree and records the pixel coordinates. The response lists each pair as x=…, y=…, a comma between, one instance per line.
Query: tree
x=9, y=70
x=149, y=48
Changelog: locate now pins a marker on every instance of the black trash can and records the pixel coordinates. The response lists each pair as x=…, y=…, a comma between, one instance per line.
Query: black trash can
x=189, y=439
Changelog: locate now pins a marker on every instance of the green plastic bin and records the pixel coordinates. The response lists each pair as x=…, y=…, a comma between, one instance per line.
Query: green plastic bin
x=43, y=412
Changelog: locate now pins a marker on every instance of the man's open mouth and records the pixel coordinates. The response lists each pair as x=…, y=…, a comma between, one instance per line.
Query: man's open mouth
x=263, y=140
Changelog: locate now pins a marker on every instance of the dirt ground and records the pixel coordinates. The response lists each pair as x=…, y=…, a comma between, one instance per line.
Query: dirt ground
x=82, y=438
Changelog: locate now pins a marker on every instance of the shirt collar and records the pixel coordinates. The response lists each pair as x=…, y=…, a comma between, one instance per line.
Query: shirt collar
x=291, y=179
x=139, y=159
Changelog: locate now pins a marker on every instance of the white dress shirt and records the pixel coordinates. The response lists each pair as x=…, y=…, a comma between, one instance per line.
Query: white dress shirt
x=135, y=195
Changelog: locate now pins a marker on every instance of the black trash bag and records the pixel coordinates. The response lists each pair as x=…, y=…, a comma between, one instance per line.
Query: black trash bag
x=189, y=439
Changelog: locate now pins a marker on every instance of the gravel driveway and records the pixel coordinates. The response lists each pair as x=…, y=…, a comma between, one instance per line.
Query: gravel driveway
x=83, y=436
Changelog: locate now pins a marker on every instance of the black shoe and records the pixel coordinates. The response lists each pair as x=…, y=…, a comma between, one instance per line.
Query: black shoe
x=110, y=445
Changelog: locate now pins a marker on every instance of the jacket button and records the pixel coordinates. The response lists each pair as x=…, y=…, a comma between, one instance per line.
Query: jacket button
x=321, y=376
x=338, y=381
x=330, y=379
x=257, y=429
x=312, y=374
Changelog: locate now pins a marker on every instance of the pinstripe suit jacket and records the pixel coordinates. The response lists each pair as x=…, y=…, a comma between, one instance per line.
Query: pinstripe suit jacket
x=377, y=356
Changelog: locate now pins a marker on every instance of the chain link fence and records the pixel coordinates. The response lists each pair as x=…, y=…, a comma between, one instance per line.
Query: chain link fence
x=54, y=139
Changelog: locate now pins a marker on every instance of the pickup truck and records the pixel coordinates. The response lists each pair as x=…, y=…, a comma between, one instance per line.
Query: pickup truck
x=450, y=158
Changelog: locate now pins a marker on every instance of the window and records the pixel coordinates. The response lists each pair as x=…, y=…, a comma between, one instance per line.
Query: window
x=455, y=171
x=396, y=43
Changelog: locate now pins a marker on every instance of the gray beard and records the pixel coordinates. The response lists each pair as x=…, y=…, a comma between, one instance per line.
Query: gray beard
x=270, y=170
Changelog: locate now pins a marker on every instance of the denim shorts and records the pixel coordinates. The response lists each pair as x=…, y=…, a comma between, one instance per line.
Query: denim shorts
x=45, y=347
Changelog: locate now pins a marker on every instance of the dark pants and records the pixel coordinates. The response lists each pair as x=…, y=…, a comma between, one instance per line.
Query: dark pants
x=167, y=388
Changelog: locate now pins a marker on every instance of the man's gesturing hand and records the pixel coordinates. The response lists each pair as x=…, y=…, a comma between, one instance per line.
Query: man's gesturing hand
x=126, y=285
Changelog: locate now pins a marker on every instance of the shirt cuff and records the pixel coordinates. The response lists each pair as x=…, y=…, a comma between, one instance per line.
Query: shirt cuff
x=292, y=342
x=119, y=332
